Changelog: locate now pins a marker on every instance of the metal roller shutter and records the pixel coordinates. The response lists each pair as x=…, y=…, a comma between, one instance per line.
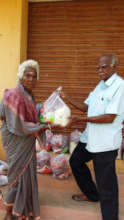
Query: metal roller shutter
x=66, y=38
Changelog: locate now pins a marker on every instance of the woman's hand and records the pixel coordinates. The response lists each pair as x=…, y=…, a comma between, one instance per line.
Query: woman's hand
x=44, y=128
x=56, y=127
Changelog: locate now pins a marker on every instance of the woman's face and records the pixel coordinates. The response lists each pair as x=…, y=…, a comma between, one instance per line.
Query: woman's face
x=29, y=79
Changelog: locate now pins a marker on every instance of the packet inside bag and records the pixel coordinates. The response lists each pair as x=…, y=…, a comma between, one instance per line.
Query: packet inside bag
x=55, y=111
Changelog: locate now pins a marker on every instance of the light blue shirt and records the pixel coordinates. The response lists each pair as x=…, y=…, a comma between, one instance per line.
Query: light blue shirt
x=106, y=98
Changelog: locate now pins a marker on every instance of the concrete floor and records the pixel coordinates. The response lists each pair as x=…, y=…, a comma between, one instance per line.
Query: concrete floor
x=56, y=203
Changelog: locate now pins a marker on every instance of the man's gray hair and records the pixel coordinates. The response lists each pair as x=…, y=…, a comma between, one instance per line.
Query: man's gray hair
x=114, y=60
x=23, y=66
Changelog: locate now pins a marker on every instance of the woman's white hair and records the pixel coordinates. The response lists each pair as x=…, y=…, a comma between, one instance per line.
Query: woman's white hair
x=23, y=66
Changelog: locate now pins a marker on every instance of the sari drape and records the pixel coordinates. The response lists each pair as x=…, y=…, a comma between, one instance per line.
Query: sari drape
x=19, y=124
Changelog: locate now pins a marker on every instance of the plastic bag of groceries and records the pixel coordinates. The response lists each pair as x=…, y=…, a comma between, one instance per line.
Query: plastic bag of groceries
x=60, y=167
x=59, y=143
x=54, y=110
x=44, y=141
x=3, y=168
x=43, y=162
x=74, y=139
x=3, y=173
x=75, y=135
x=49, y=136
x=3, y=180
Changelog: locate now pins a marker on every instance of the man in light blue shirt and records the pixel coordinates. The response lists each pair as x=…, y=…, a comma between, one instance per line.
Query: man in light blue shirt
x=105, y=115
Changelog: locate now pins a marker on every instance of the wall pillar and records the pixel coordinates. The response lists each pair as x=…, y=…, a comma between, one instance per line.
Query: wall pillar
x=13, y=43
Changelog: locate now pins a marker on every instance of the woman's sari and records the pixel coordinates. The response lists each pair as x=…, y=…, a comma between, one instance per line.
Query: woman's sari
x=19, y=124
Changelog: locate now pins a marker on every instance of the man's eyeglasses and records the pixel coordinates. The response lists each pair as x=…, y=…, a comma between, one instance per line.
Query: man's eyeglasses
x=104, y=66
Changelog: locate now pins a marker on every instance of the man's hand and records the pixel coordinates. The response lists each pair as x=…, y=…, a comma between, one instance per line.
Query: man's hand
x=63, y=94
x=79, y=105
x=73, y=120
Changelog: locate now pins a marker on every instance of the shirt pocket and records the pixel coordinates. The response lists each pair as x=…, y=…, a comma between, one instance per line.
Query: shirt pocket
x=109, y=93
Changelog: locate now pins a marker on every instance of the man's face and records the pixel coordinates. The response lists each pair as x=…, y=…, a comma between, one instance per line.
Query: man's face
x=105, y=68
x=29, y=79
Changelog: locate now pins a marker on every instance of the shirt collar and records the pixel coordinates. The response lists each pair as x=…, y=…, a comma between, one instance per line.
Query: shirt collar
x=111, y=80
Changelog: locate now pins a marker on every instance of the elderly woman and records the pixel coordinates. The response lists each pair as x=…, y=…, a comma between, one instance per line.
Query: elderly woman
x=19, y=127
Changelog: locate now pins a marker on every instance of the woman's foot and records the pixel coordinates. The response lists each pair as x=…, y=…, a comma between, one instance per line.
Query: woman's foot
x=8, y=217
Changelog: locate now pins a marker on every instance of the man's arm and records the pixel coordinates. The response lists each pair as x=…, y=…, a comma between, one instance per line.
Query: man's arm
x=107, y=118
x=81, y=106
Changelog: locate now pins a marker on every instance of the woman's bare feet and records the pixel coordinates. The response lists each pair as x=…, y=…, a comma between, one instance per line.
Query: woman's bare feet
x=8, y=217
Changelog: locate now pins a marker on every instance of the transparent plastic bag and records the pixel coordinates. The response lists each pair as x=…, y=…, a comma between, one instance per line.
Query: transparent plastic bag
x=3, y=168
x=44, y=141
x=75, y=135
x=49, y=136
x=60, y=167
x=54, y=110
x=43, y=162
x=3, y=180
x=59, y=143
x=74, y=139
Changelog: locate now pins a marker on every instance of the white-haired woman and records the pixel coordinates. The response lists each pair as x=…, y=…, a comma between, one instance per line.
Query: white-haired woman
x=19, y=128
